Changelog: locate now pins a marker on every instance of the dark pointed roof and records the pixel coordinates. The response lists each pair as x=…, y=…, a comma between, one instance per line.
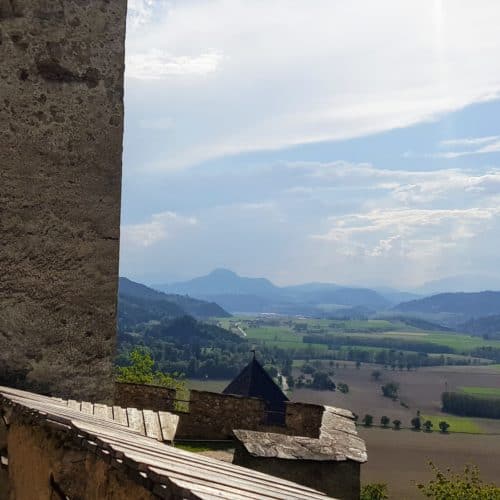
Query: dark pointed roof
x=253, y=381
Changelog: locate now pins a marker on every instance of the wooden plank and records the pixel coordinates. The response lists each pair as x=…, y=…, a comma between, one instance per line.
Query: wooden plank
x=87, y=408
x=120, y=415
x=168, y=424
x=74, y=405
x=136, y=420
x=146, y=454
x=152, y=424
x=241, y=489
x=172, y=464
x=203, y=491
x=103, y=411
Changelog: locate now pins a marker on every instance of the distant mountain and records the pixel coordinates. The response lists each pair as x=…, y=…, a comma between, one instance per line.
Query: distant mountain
x=467, y=305
x=397, y=296
x=253, y=295
x=222, y=282
x=140, y=300
x=460, y=283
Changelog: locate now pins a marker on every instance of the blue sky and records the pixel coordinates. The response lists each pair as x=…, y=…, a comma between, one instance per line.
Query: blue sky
x=352, y=142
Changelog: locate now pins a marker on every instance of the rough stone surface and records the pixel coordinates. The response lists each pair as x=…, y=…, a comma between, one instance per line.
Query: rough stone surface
x=337, y=479
x=43, y=463
x=149, y=397
x=61, y=121
x=329, y=462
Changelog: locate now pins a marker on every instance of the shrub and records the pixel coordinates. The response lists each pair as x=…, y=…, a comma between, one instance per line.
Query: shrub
x=453, y=486
x=374, y=491
x=444, y=426
x=416, y=423
x=428, y=426
x=342, y=387
x=368, y=420
x=390, y=390
x=396, y=424
x=385, y=421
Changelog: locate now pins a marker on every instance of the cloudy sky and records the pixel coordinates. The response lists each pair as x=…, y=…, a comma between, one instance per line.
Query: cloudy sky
x=312, y=140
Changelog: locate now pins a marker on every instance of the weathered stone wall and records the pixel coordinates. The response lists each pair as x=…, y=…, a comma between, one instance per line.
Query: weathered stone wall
x=304, y=419
x=45, y=465
x=338, y=479
x=145, y=397
x=214, y=416
x=61, y=121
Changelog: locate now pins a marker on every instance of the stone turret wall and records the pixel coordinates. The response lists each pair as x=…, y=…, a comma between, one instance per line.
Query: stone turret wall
x=145, y=397
x=61, y=125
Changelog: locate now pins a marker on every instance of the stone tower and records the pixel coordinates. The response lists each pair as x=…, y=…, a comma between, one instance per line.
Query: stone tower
x=61, y=127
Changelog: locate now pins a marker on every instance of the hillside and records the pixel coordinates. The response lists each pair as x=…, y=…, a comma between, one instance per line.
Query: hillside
x=140, y=300
x=462, y=304
x=488, y=326
x=240, y=294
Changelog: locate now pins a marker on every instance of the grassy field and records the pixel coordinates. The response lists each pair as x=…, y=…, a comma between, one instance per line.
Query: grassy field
x=482, y=391
x=207, y=385
x=289, y=332
x=457, y=424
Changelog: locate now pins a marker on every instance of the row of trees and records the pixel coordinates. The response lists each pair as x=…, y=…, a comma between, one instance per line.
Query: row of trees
x=417, y=423
x=470, y=406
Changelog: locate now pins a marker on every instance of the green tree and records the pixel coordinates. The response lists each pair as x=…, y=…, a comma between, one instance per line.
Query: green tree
x=374, y=491
x=385, y=421
x=455, y=486
x=397, y=424
x=444, y=426
x=342, y=387
x=428, y=426
x=368, y=420
x=376, y=374
x=416, y=423
x=140, y=371
x=390, y=390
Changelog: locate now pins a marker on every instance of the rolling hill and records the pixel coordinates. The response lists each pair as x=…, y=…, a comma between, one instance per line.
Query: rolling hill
x=453, y=309
x=137, y=301
x=257, y=295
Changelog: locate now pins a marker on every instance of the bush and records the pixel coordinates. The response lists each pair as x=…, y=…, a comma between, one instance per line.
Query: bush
x=390, y=390
x=368, y=420
x=428, y=426
x=385, y=421
x=396, y=424
x=465, y=486
x=416, y=423
x=374, y=491
x=342, y=387
x=444, y=426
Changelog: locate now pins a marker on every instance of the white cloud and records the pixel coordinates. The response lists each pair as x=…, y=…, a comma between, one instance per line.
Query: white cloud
x=156, y=65
x=405, y=187
x=286, y=72
x=161, y=226
x=491, y=144
x=410, y=233
x=469, y=141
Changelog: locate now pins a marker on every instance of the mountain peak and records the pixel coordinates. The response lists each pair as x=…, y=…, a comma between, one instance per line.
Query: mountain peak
x=223, y=272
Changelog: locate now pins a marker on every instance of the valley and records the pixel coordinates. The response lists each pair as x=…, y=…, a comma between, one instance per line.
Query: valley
x=343, y=359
